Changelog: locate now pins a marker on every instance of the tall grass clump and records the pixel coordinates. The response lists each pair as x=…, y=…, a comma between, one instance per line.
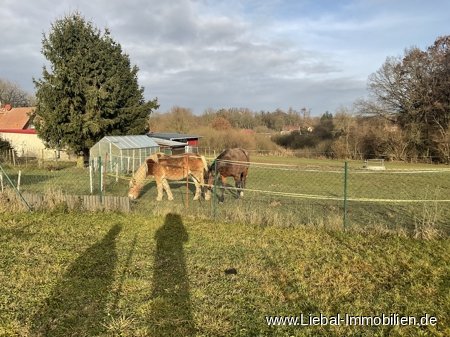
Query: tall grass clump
x=426, y=225
x=10, y=202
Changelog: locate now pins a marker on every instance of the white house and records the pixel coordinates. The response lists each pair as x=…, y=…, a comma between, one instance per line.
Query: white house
x=16, y=127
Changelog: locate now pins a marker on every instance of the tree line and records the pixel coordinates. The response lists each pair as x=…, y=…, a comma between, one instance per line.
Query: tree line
x=346, y=134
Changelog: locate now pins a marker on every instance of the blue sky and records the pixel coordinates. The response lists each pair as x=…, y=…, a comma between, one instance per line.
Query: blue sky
x=261, y=55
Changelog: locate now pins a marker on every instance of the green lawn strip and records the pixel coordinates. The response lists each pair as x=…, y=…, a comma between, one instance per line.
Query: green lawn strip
x=131, y=275
x=303, y=192
x=353, y=164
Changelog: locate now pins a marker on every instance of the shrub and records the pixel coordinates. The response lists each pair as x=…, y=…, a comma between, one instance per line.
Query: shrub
x=5, y=145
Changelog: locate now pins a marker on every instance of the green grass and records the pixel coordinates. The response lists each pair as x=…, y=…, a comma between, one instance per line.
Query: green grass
x=354, y=164
x=318, y=199
x=106, y=274
x=318, y=186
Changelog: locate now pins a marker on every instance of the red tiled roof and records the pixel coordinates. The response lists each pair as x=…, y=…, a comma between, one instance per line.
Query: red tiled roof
x=16, y=118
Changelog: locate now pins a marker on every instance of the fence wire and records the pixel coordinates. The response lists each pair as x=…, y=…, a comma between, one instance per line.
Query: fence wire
x=417, y=201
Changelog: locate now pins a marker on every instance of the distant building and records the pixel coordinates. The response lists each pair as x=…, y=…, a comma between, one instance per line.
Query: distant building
x=170, y=146
x=295, y=128
x=16, y=119
x=16, y=126
x=288, y=129
x=190, y=140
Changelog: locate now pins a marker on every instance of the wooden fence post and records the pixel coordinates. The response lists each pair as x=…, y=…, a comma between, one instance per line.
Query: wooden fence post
x=91, y=183
x=18, y=180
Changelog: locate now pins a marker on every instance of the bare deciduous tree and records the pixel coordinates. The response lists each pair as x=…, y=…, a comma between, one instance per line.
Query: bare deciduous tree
x=414, y=93
x=12, y=94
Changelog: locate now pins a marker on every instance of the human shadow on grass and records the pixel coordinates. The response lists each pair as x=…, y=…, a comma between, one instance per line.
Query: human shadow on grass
x=77, y=305
x=171, y=308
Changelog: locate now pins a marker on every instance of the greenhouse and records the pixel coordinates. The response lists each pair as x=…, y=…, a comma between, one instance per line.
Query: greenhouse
x=122, y=153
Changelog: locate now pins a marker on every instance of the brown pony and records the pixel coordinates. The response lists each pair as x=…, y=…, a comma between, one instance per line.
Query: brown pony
x=230, y=163
x=164, y=168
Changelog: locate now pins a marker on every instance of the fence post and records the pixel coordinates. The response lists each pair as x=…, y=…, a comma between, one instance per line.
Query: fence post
x=345, y=193
x=16, y=190
x=91, y=174
x=18, y=180
x=187, y=183
x=117, y=172
x=214, y=191
x=100, y=177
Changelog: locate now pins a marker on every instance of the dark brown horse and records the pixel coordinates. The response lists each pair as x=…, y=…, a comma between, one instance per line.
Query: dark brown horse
x=230, y=163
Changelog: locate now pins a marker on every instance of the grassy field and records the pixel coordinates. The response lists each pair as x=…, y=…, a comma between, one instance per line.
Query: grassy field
x=291, y=191
x=107, y=274
x=354, y=164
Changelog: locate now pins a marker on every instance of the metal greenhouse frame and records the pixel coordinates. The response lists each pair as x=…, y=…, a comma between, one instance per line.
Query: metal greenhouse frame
x=122, y=153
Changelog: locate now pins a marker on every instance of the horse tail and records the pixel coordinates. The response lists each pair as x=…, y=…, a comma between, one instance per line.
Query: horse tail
x=245, y=171
x=205, y=164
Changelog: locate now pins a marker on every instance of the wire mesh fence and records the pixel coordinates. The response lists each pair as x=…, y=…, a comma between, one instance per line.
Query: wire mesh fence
x=56, y=182
x=285, y=195
x=26, y=155
x=415, y=201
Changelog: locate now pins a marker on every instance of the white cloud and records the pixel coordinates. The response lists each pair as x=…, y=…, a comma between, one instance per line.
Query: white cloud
x=255, y=54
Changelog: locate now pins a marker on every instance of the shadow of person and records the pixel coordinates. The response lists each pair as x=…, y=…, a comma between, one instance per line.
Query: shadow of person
x=77, y=305
x=171, y=307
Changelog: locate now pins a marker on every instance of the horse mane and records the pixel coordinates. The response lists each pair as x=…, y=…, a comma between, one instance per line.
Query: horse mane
x=155, y=156
x=245, y=153
x=212, y=166
x=141, y=173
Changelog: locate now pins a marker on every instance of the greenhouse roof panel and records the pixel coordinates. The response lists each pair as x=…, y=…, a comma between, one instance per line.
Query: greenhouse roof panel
x=166, y=142
x=130, y=142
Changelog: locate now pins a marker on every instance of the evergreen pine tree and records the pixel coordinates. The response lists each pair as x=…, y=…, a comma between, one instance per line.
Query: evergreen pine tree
x=91, y=89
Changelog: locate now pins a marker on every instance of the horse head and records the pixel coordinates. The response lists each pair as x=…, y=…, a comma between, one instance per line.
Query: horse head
x=132, y=183
x=137, y=181
x=133, y=192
